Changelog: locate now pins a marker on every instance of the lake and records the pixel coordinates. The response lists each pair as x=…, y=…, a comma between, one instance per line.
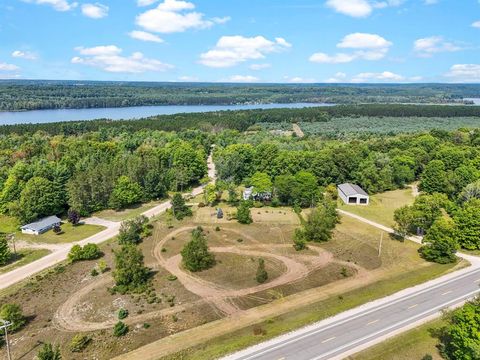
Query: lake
x=128, y=113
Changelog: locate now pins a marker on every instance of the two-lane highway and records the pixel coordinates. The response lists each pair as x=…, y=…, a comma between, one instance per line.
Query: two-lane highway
x=338, y=338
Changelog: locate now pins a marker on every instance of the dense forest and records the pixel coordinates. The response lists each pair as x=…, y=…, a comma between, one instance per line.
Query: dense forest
x=243, y=119
x=43, y=175
x=34, y=95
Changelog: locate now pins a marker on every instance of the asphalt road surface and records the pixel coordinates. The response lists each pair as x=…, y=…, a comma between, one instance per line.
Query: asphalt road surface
x=341, y=338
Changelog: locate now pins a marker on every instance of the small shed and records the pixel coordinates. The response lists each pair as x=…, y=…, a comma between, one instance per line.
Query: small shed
x=352, y=194
x=219, y=213
x=41, y=226
x=247, y=193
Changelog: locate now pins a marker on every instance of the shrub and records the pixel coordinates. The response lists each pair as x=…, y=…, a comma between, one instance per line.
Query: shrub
x=79, y=342
x=13, y=313
x=48, y=352
x=120, y=329
x=102, y=266
x=73, y=217
x=171, y=277
x=122, y=314
x=88, y=252
x=217, y=228
x=94, y=272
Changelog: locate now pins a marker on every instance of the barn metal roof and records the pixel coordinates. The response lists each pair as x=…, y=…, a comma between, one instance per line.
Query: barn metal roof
x=42, y=223
x=351, y=189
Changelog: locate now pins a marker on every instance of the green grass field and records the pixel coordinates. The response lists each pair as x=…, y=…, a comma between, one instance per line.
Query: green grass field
x=413, y=344
x=382, y=206
x=70, y=234
x=24, y=257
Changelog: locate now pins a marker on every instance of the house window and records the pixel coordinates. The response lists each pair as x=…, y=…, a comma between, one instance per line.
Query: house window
x=352, y=200
x=363, y=201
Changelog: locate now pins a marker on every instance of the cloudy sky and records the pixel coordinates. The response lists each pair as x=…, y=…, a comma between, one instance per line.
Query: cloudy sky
x=242, y=40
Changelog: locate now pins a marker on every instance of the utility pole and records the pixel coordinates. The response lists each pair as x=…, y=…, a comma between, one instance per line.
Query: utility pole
x=11, y=238
x=380, y=246
x=5, y=326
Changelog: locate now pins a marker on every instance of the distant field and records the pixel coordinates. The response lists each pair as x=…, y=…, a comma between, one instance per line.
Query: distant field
x=377, y=125
x=413, y=344
x=382, y=206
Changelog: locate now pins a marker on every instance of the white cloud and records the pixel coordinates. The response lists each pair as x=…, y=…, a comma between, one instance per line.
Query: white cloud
x=257, y=67
x=354, y=8
x=385, y=76
x=337, y=78
x=109, y=58
x=363, y=41
x=299, y=79
x=233, y=50
x=221, y=20
x=145, y=36
x=8, y=67
x=464, y=73
x=426, y=47
x=172, y=16
x=476, y=24
x=242, y=78
x=95, y=11
x=59, y=5
x=360, y=8
x=146, y=2
x=188, y=78
x=24, y=55
x=365, y=46
x=430, y=2
x=332, y=59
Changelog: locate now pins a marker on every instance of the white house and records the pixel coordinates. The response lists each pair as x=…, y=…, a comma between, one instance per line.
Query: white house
x=353, y=194
x=41, y=226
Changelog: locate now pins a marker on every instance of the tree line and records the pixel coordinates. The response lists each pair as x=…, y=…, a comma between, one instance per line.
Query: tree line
x=36, y=95
x=242, y=120
x=43, y=175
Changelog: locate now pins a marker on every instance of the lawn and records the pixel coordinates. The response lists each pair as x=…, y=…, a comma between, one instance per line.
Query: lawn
x=70, y=234
x=414, y=344
x=382, y=206
x=24, y=257
x=127, y=213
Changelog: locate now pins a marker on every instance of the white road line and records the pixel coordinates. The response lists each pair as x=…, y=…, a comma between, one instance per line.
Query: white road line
x=389, y=328
x=329, y=339
x=478, y=280
x=373, y=322
x=447, y=292
x=413, y=306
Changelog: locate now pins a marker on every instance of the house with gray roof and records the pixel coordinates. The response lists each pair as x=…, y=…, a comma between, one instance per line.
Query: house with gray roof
x=352, y=194
x=41, y=226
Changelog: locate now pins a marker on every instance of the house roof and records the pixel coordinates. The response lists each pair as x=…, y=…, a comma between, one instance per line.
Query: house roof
x=351, y=189
x=42, y=223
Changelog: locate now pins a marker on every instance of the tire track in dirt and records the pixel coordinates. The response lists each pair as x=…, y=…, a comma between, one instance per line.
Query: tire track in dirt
x=67, y=317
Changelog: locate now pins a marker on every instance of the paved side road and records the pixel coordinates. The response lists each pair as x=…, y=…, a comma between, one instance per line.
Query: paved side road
x=60, y=253
x=357, y=329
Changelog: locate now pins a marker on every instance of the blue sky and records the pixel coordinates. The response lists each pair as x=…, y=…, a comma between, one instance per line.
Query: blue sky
x=242, y=40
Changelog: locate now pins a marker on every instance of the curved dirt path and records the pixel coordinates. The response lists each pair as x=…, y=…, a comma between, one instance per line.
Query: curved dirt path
x=67, y=317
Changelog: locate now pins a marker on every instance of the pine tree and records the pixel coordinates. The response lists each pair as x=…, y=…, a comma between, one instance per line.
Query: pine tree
x=262, y=274
x=195, y=254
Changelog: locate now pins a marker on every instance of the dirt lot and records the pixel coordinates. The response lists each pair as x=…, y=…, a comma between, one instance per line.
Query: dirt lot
x=68, y=300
